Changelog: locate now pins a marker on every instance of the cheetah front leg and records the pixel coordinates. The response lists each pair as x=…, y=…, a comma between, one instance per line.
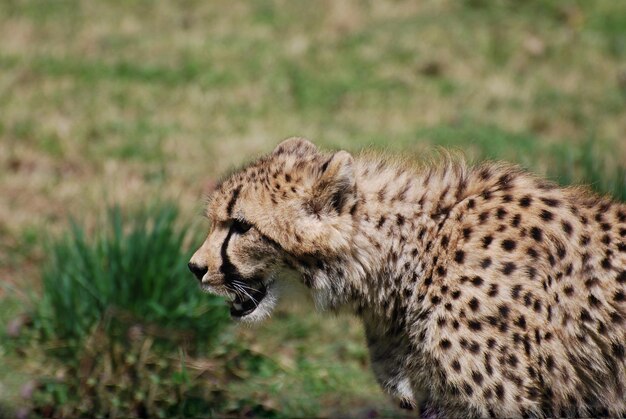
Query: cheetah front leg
x=388, y=353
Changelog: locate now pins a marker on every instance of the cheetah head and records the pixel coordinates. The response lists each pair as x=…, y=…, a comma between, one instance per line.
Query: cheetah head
x=272, y=223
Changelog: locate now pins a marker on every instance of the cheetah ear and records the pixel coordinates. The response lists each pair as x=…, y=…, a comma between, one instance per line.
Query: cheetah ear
x=335, y=186
x=295, y=145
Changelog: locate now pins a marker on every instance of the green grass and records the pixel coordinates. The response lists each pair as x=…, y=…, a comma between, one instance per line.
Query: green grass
x=128, y=102
x=133, y=270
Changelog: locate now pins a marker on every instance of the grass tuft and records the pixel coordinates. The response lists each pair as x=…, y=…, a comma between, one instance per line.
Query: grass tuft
x=132, y=271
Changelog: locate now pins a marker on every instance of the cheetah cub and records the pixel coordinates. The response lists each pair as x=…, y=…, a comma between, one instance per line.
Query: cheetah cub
x=484, y=291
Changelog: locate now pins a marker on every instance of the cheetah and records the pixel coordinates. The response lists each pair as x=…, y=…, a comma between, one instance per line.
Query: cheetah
x=483, y=291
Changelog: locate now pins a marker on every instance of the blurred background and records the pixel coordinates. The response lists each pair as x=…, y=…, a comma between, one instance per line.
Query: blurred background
x=117, y=117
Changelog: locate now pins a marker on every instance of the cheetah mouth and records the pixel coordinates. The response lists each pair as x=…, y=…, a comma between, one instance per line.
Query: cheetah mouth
x=247, y=299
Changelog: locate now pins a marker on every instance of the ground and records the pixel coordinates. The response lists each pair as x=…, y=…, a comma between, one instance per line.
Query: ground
x=113, y=102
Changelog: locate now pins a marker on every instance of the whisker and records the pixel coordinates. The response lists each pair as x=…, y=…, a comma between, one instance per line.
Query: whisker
x=254, y=301
x=242, y=285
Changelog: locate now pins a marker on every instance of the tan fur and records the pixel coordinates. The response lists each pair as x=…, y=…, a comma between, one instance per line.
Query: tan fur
x=483, y=290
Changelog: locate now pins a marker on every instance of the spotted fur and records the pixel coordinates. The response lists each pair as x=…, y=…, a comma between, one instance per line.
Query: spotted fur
x=484, y=291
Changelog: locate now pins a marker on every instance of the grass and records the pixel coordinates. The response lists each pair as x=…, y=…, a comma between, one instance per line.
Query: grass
x=128, y=102
x=133, y=270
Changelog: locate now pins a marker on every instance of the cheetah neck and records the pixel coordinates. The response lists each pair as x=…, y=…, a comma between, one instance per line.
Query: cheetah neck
x=401, y=209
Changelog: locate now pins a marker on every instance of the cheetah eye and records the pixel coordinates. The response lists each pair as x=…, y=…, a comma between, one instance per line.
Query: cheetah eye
x=241, y=227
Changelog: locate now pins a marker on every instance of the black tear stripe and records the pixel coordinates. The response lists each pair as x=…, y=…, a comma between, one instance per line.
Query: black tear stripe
x=227, y=268
x=230, y=271
x=233, y=200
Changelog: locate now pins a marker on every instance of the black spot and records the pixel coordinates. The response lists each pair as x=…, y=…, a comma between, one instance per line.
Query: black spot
x=507, y=198
x=546, y=215
x=483, y=216
x=606, y=263
x=568, y=290
x=484, y=173
x=517, y=219
x=435, y=299
x=474, y=325
x=477, y=281
x=499, y=388
x=567, y=227
x=515, y=291
x=501, y=213
x=477, y=377
x=550, y=362
x=618, y=350
x=474, y=304
x=616, y=317
x=521, y=322
x=536, y=233
x=585, y=316
x=560, y=251
x=621, y=277
x=551, y=202
x=445, y=344
x=525, y=201
x=459, y=257
x=399, y=219
x=504, y=310
x=456, y=366
x=619, y=296
x=467, y=232
x=471, y=204
x=593, y=300
x=505, y=181
x=584, y=240
x=381, y=221
x=441, y=271
x=513, y=360
x=487, y=241
x=508, y=268
x=605, y=226
x=468, y=389
x=493, y=290
x=486, y=262
x=509, y=245
x=532, y=253
x=474, y=347
x=455, y=294
x=528, y=298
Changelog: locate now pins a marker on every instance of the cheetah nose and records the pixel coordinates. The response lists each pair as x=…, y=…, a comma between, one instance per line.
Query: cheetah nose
x=198, y=271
